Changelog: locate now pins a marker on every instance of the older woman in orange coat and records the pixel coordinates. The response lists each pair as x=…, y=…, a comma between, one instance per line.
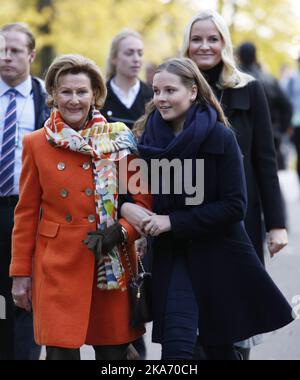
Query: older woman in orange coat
x=67, y=187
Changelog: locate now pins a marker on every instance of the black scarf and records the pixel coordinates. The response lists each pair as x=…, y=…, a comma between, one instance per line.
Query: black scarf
x=158, y=142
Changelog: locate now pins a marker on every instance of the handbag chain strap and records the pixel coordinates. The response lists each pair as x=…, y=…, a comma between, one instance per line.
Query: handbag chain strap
x=140, y=262
x=125, y=252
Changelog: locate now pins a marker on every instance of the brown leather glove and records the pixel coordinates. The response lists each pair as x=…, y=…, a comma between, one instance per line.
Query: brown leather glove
x=104, y=240
x=94, y=242
x=113, y=236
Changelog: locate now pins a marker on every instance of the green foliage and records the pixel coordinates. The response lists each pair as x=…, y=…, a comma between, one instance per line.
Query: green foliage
x=91, y=28
x=271, y=25
x=87, y=26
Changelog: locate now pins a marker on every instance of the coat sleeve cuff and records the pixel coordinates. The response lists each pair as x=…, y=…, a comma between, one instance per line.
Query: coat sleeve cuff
x=20, y=268
x=132, y=233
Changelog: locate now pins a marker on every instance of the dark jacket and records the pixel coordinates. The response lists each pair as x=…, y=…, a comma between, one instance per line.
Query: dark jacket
x=41, y=110
x=249, y=116
x=279, y=105
x=114, y=110
x=236, y=297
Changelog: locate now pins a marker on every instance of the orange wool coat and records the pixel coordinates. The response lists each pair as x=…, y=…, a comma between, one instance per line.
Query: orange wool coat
x=55, y=211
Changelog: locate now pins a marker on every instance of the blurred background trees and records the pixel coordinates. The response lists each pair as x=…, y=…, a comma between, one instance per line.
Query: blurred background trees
x=87, y=26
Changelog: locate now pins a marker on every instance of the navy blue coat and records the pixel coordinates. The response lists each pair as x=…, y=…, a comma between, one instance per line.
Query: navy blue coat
x=236, y=297
x=41, y=111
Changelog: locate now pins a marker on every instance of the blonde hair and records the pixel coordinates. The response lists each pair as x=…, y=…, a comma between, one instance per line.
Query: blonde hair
x=230, y=76
x=114, y=49
x=190, y=75
x=75, y=64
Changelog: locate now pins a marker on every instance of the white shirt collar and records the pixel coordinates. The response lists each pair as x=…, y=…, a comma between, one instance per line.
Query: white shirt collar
x=126, y=98
x=23, y=88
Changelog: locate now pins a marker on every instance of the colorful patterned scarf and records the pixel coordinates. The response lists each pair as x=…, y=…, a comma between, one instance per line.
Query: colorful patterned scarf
x=106, y=143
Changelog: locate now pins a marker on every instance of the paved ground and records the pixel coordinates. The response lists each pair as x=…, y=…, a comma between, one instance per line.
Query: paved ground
x=285, y=270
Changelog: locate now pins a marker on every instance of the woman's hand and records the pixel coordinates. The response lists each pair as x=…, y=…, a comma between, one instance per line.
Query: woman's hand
x=155, y=225
x=21, y=292
x=277, y=239
x=134, y=214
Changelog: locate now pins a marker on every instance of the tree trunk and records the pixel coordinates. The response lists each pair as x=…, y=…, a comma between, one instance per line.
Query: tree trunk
x=47, y=52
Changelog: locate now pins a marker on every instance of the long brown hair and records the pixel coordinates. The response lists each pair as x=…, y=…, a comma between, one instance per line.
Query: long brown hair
x=190, y=75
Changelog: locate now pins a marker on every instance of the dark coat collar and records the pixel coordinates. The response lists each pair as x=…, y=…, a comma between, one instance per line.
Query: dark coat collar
x=42, y=112
x=236, y=99
x=144, y=92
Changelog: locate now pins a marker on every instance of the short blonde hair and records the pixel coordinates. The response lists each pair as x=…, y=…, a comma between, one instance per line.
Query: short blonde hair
x=114, y=49
x=230, y=75
x=21, y=27
x=75, y=64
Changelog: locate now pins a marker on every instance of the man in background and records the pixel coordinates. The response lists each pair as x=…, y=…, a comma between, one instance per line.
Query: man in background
x=279, y=104
x=22, y=110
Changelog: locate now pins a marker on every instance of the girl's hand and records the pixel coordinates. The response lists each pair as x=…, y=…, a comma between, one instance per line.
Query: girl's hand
x=134, y=214
x=155, y=225
x=277, y=239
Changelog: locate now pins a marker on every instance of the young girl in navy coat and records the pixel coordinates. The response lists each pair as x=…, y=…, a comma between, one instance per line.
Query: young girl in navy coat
x=207, y=278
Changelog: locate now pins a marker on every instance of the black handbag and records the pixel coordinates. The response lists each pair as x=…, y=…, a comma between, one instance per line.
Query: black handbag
x=140, y=294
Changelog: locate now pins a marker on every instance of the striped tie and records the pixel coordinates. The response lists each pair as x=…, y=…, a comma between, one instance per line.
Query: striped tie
x=7, y=158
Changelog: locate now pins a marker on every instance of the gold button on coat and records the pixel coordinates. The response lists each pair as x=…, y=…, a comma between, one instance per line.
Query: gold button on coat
x=91, y=218
x=88, y=192
x=86, y=165
x=69, y=218
x=64, y=193
x=61, y=166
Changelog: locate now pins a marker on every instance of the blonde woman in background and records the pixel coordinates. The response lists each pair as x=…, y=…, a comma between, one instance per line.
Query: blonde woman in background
x=126, y=93
x=208, y=43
